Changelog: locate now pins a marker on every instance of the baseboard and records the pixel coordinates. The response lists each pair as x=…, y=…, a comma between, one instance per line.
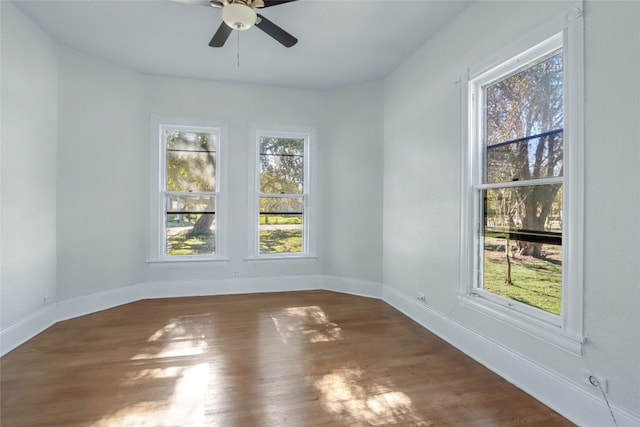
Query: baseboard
x=563, y=396
x=363, y=288
x=27, y=328
x=87, y=304
x=241, y=285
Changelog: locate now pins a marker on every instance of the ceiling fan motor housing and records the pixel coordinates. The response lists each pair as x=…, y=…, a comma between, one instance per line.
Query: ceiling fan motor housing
x=239, y=16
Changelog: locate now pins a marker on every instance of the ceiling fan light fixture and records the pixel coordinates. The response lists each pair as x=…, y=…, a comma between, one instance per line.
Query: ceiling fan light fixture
x=239, y=16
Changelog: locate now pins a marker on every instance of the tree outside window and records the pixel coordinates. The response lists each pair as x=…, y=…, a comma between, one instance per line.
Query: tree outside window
x=190, y=192
x=281, y=194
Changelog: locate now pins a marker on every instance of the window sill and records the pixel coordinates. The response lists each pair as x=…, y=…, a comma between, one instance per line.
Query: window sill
x=282, y=258
x=546, y=332
x=163, y=263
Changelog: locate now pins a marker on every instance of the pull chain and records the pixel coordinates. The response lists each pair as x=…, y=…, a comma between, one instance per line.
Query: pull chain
x=238, y=54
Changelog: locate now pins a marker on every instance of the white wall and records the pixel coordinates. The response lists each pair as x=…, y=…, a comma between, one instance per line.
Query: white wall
x=422, y=173
x=612, y=197
x=240, y=106
x=29, y=128
x=354, y=159
x=103, y=179
x=102, y=184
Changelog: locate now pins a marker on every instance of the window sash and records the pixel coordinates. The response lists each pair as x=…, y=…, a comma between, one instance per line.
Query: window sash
x=167, y=212
x=258, y=195
x=290, y=227
x=478, y=86
x=164, y=193
x=478, y=284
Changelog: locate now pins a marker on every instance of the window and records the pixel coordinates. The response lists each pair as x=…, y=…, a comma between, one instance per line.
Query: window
x=520, y=124
x=523, y=199
x=280, y=221
x=187, y=197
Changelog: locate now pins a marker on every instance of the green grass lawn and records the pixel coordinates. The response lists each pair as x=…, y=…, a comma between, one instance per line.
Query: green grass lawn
x=280, y=219
x=535, y=282
x=188, y=243
x=280, y=241
x=271, y=242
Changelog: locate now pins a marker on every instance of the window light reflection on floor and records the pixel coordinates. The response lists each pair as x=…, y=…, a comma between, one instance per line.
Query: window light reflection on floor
x=182, y=336
x=348, y=394
x=170, y=356
x=311, y=322
x=185, y=407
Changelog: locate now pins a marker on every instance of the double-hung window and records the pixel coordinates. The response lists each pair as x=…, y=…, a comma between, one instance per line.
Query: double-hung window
x=187, y=197
x=280, y=218
x=523, y=241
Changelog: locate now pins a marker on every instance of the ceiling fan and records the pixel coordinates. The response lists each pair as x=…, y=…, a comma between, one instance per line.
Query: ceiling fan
x=241, y=15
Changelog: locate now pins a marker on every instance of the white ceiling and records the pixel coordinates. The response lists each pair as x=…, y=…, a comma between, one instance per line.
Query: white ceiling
x=340, y=41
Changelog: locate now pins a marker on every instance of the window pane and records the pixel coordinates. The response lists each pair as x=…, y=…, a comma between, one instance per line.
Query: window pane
x=191, y=161
x=281, y=225
x=190, y=225
x=191, y=141
x=281, y=165
x=526, y=103
x=521, y=160
x=522, y=254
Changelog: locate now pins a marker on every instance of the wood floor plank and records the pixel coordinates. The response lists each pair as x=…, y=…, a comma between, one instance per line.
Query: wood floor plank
x=312, y=358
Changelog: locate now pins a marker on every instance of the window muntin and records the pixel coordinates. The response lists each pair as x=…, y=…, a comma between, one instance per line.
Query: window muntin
x=282, y=194
x=519, y=192
x=189, y=191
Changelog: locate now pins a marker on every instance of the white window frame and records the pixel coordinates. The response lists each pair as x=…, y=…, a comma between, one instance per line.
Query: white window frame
x=565, y=330
x=309, y=210
x=157, y=232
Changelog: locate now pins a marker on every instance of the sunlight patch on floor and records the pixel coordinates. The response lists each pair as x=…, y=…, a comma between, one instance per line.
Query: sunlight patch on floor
x=175, y=349
x=347, y=393
x=185, y=407
x=169, y=328
x=183, y=336
x=173, y=354
x=311, y=322
x=152, y=374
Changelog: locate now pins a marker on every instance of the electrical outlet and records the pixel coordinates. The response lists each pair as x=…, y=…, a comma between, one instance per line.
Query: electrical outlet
x=596, y=383
x=236, y=273
x=421, y=297
x=48, y=299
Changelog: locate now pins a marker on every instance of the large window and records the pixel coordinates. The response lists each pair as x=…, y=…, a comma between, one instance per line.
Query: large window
x=521, y=118
x=280, y=218
x=187, y=197
x=523, y=200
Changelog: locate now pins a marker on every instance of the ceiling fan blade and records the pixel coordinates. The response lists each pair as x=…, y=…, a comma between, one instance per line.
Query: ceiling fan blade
x=276, y=32
x=269, y=3
x=221, y=36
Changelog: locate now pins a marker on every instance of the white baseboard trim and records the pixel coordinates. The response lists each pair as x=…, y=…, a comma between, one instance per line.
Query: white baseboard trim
x=244, y=285
x=87, y=304
x=363, y=288
x=567, y=398
x=27, y=328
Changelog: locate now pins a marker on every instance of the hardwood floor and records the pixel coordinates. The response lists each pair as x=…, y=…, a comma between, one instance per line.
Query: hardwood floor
x=288, y=359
